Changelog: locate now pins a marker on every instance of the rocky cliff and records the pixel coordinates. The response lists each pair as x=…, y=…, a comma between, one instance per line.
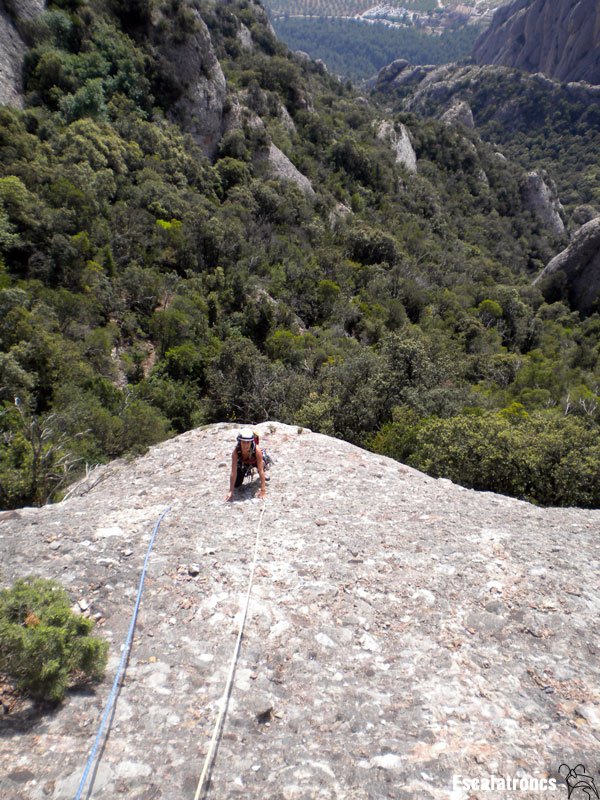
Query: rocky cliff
x=402, y=630
x=560, y=38
x=495, y=93
x=578, y=266
x=541, y=200
x=200, y=108
x=398, y=139
x=13, y=16
x=535, y=121
x=203, y=105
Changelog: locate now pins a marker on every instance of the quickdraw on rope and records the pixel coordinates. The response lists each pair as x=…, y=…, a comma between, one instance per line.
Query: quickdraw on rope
x=124, y=656
x=225, y=697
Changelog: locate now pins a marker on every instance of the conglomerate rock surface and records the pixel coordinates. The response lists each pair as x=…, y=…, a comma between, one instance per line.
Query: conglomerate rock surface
x=557, y=37
x=14, y=14
x=579, y=264
x=402, y=631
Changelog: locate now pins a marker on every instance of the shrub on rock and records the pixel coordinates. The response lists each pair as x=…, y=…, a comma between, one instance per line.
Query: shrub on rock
x=44, y=646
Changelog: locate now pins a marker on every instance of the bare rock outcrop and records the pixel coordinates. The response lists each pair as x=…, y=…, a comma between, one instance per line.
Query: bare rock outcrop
x=391, y=71
x=268, y=159
x=13, y=47
x=245, y=37
x=12, y=52
x=400, y=72
x=279, y=166
x=23, y=10
x=438, y=88
x=286, y=119
x=401, y=631
x=200, y=108
x=459, y=114
x=541, y=199
x=338, y=214
x=580, y=265
x=560, y=38
x=433, y=93
x=398, y=138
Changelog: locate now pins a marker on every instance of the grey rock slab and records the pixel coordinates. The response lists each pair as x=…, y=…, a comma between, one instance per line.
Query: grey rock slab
x=400, y=629
x=541, y=198
x=398, y=139
x=279, y=166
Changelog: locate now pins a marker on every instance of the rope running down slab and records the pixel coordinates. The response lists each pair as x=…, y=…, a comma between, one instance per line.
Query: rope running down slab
x=124, y=656
x=224, y=699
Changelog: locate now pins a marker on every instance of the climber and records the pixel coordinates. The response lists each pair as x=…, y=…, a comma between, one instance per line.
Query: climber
x=245, y=457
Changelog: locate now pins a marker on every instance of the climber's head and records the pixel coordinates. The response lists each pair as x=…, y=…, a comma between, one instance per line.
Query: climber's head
x=245, y=438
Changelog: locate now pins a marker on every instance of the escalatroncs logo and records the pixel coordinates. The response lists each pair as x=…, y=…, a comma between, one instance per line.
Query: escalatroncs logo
x=580, y=784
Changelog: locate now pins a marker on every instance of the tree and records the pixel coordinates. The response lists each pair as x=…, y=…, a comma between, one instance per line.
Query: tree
x=243, y=385
x=397, y=439
x=36, y=460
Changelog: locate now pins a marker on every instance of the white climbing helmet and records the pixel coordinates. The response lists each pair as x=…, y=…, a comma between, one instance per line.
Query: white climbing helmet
x=246, y=435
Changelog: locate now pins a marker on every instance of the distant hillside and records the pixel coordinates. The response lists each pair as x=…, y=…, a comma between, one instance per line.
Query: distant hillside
x=357, y=51
x=356, y=38
x=539, y=122
x=560, y=38
x=429, y=13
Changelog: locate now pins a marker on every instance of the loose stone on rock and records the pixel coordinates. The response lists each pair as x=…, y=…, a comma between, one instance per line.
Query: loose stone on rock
x=387, y=761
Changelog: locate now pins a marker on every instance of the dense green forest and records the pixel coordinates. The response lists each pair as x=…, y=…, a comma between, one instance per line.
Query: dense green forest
x=357, y=51
x=145, y=289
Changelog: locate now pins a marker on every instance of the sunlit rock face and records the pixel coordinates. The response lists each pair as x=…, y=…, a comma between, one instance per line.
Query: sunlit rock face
x=13, y=15
x=200, y=108
x=541, y=198
x=579, y=266
x=560, y=38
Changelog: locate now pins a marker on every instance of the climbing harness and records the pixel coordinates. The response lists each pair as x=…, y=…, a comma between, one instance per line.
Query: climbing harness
x=247, y=468
x=236, y=651
x=124, y=656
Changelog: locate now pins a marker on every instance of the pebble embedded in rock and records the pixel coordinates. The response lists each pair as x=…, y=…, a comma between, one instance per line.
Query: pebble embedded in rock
x=367, y=642
x=387, y=761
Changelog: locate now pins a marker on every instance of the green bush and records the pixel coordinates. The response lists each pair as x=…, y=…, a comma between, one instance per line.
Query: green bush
x=543, y=457
x=44, y=646
x=397, y=439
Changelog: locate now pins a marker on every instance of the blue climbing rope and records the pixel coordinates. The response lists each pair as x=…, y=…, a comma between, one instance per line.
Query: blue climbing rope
x=115, y=688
